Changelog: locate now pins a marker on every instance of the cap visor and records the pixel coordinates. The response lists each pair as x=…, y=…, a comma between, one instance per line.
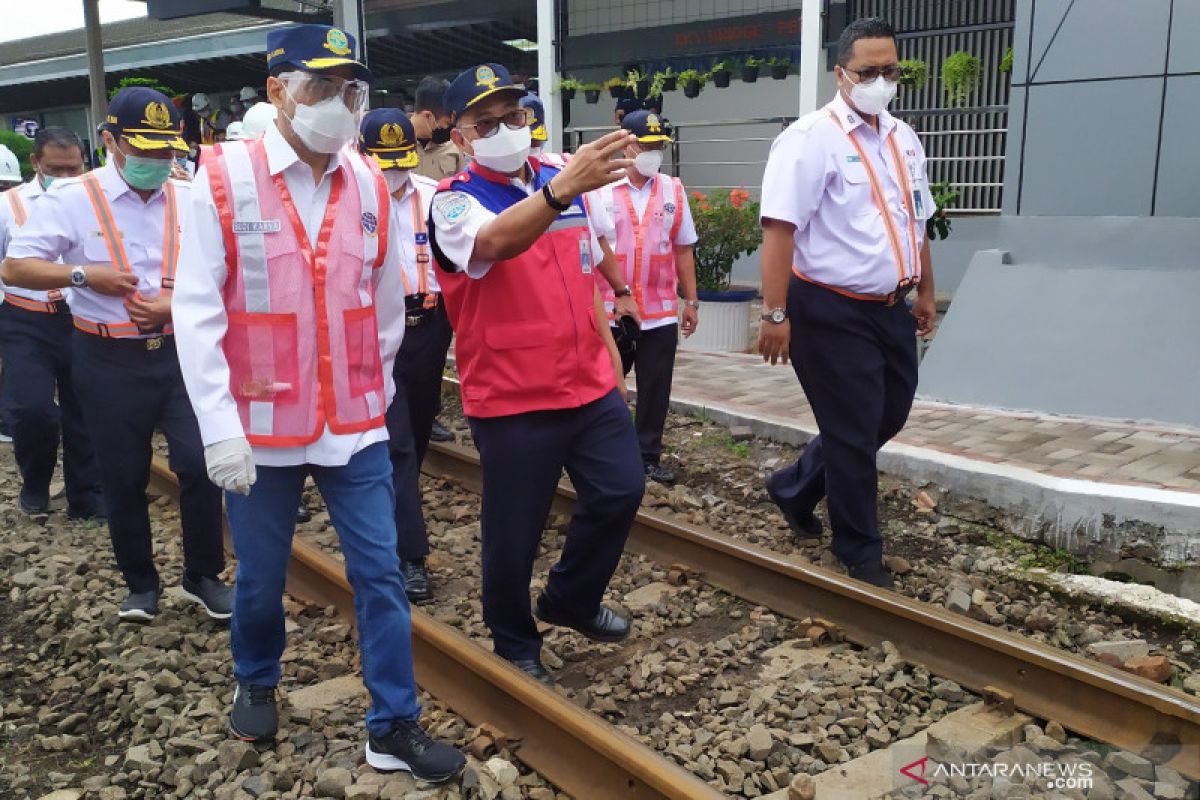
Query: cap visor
x=654, y=138
x=388, y=161
x=538, y=134
x=155, y=141
x=516, y=91
x=324, y=64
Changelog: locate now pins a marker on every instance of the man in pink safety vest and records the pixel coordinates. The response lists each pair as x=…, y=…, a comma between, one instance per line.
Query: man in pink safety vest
x=290, y=311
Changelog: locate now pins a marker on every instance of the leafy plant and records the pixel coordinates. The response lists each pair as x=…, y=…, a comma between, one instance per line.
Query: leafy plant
x=590, y=87
x=614, y=82
x=740, y=449
x=1006, y=62
x=914, y=72
x=754, y=61
x=22, y=147
x=724, y=65
x=150, y=83
x=938, y=224
x=633, y=77
x=961, y=73
x=572, y=83
x=693, y=75
x=779, y=61
x=659, y=82
x=727, y=226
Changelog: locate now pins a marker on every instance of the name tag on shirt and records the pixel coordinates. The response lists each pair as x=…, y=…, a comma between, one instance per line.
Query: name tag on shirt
x=853, y=159
x=585, y=256
x=257, y=226
x=918, y=203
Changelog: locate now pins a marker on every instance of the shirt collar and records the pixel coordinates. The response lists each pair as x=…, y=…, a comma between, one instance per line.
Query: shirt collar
x=32, y=188
x=851, y=119
x=281, y=155
x=645, y=186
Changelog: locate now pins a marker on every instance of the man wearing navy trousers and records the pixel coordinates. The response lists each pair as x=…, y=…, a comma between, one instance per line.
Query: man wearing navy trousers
x=538, y=365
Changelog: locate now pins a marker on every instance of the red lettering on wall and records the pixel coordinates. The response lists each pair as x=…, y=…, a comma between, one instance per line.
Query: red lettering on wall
x=788, y=27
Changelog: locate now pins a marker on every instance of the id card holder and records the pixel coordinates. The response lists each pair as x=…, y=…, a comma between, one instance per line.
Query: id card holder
x=585, y=256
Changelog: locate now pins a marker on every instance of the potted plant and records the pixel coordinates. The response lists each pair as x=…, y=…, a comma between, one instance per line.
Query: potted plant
x=938, y=224
x=637, y=84
x=1006, y=62
x=568, y=87
x=693, y=81
x=721, y=72
x=961, y=73
x=591, y=93
x=779, y=67
x=750, y=68
x=913, y=72
x=616, y=87
x=727, y=226
x=665, y=81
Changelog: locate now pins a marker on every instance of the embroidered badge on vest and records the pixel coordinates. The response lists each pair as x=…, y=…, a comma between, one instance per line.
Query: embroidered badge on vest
x=452, y=206
x=369, y=223
x=669, y=208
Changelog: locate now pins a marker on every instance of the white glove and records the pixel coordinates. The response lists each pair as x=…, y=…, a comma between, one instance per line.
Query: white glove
x=231, y=464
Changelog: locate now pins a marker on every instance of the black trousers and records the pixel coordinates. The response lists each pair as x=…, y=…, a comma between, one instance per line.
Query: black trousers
x=857, y=363
x=523, y=456
x=418, y=376
x=36, y=347
x=128, y=390
x=654, y=362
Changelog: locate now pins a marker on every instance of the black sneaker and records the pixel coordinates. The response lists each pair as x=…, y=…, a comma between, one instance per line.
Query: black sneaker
x=439, y=433
x=873, y=573
x=216, y=597
x=660, y=474
x=139, y=607
x=34, y=503
x=254, y=717
x=606, y=626
x=534, y=669
x=303, y=514
x=409, y=748
x=416, y=581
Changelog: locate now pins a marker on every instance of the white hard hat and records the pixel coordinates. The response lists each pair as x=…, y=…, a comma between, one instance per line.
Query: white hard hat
x=199, y=101
x=234, y=132
x=256, y=120
x=10, y=168
x=248, y=93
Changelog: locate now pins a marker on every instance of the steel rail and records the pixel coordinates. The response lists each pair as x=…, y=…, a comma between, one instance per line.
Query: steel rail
x=1089, y=698
x=572, y=748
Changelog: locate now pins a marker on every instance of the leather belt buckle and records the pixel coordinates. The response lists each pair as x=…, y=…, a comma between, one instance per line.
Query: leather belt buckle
x=411, y=321
x=900, y=293
x=154, y=342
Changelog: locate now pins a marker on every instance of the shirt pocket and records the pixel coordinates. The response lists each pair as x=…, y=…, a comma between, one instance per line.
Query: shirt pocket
x=95, y=251
x=856, y=184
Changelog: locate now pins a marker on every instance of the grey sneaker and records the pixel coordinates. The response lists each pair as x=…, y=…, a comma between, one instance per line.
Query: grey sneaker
x=254, y=717
x=139, y=607
x=216, y=597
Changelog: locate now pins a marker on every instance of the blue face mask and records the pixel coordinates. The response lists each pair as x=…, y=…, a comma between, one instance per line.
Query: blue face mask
x=146, y=174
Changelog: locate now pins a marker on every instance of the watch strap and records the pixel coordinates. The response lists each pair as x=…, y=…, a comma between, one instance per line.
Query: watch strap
x=552, y=200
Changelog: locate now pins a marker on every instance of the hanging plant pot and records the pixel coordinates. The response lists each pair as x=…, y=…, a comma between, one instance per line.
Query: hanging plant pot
x=568, y=94
x=779, y=71
x=749, y=73
x=643, y=88
x=721, y=78
x=618, y=92
x=691, y=89
x=670, y=83
x=591, y=96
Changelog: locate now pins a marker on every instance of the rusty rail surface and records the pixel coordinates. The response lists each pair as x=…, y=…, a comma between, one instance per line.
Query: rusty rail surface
x=1089, y=698
x=572, y=748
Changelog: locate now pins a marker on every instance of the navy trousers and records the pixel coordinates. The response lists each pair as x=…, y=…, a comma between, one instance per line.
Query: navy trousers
x=523, y=457
x=418, y=374
x=857, y=363
x=127, y=390
x=654, y=362
x=37, y=352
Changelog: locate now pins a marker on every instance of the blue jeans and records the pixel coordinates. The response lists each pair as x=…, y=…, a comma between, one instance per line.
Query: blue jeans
x=359, y=498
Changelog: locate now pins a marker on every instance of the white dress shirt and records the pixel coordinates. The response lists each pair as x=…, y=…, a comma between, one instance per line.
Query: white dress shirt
x=200, y=319
x=29, y=192
x=815, y=180
x=63, y=225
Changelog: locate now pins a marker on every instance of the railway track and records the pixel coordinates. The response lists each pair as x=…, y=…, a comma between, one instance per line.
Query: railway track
x=582, y=753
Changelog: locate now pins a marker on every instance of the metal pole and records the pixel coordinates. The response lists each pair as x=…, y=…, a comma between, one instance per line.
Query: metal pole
x=95, y=54
x=810, y=54
x=348, y=15
x=547, y=37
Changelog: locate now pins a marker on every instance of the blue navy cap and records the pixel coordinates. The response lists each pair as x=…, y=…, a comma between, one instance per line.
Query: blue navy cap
x=314, y=48
x=386, y=134
x=475, y=84
x=535, y=113
x=146, y=118
x=647, y=126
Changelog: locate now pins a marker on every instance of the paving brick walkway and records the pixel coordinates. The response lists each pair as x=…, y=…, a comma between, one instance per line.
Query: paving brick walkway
x=1112, y=452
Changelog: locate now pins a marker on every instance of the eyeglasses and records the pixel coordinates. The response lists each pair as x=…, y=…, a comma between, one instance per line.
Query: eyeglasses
x=487, y=126
x=889, y=73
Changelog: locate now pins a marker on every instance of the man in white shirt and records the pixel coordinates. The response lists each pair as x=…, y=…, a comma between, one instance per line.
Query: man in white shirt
x=290, y=312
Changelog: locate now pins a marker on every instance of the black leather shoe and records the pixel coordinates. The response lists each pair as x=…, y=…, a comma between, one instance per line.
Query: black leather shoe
x=534, y=669
x=34, y=502
x=254, y=717
x=303, y=514
x=804, y=526
x=439, y=433
x=873, y=573
x=660, y=474
x=605, y=626
x=416, y=581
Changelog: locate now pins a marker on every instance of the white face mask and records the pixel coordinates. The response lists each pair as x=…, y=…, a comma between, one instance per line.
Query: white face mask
x=648, y=162
x=325, y=127
x=396, y=179
x=504, y=151
x=871, y=98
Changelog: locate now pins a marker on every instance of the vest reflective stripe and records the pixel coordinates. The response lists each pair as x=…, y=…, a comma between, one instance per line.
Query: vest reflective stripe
x=654, y=293
x=889, y=224
x=421, y=236
x=48, y=306
x=110, y=330
x=906, y=190
x=20, y=215
x=239, y=171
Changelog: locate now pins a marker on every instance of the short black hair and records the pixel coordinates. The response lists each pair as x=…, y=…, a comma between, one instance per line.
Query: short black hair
x=59, y=137
x=431, y=93
x=864, y=28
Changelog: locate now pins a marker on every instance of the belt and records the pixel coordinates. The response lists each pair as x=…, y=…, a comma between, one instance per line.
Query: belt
x=121, y=330
x=56, y=306
x=890, y=299
x=419, y=307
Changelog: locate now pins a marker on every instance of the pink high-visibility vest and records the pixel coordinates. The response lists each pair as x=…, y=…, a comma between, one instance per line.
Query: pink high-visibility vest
x=645, y=248
x=303, y=341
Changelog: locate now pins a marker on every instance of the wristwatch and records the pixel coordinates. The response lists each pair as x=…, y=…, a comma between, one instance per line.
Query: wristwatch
x=78, y=277
x=624, y=291
x=552, y=200
x=692, y=303
x=776, y=315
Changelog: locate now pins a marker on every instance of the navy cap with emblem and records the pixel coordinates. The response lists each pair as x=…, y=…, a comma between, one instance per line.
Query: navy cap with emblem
x=386, y=134
x=146, y=118
x=647, y=126
x=314, y=48
x=475, y=84
x=535, y=112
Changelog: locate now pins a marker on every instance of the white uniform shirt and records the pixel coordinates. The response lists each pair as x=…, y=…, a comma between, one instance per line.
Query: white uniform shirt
x=200, y=319
x=64, y=226
x=458, y=217
x=406, y=234
x=815, y=180
x=29, y=192
x=613, y=208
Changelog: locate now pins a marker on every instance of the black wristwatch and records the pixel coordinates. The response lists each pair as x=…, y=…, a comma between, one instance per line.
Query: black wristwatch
x=551, y=200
